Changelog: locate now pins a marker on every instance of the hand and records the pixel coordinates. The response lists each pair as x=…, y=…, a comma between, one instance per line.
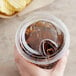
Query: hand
x=28, y=69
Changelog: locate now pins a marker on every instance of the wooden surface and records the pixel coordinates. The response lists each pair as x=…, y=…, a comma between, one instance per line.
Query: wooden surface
x=63, y=9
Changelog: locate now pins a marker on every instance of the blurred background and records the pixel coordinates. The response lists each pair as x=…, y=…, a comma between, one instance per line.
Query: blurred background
x=63, y=9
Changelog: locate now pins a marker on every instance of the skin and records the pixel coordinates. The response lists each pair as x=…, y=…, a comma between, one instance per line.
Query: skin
x=28, y=69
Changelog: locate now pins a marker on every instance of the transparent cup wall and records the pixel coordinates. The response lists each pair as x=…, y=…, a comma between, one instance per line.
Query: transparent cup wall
x=32, y=18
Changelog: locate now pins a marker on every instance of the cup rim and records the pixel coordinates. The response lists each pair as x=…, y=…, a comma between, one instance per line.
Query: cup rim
x=57, y=22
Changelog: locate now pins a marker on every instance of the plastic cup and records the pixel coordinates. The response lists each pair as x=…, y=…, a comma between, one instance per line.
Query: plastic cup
x=46, y=16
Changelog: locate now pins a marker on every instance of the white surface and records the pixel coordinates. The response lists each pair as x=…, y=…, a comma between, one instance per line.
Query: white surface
x=35, y=5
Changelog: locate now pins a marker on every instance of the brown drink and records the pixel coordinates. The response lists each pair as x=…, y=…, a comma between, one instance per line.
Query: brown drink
x=45, y=39
x=42, y=40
